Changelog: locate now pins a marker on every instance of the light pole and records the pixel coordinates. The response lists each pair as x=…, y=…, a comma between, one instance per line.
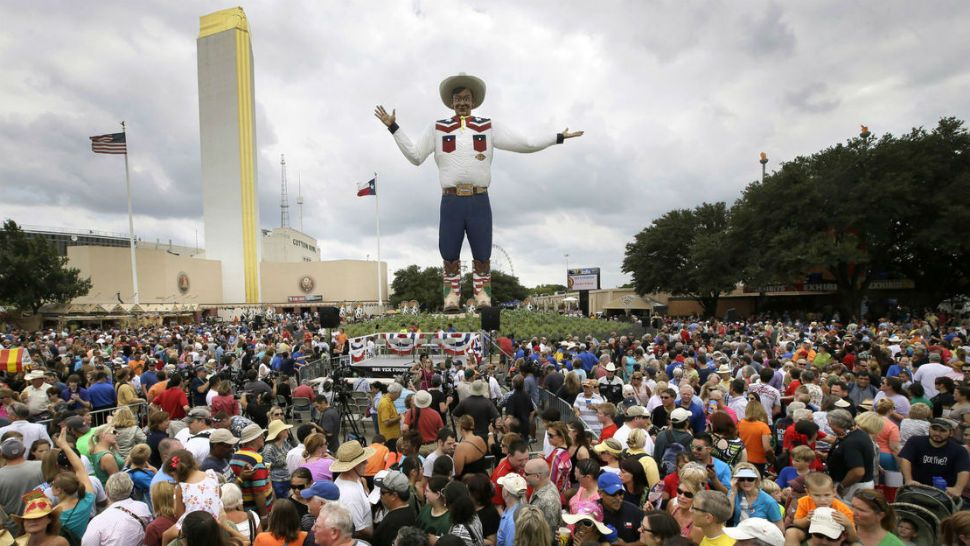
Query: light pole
x=763, y=161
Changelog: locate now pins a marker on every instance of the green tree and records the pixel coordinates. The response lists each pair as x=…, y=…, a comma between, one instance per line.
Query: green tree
x=686, y=253
x=863, y=210
x=505, y=287
x=32, y=274
x=548, y=289
x=414, y=283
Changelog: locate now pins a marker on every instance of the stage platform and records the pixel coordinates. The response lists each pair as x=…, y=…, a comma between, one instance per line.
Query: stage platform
x=389, y=365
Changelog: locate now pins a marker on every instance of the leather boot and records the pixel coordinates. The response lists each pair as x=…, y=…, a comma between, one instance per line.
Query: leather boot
x=482, y=283
x=451, y=285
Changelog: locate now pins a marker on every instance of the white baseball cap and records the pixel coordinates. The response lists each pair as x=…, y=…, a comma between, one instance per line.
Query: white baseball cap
x=757, y=528
x=823, y=522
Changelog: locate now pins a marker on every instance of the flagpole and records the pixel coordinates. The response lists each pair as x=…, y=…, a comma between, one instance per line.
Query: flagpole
x=131, y=223
x=377, y=211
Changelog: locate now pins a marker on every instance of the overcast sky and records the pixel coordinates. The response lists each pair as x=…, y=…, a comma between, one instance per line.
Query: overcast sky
x=677, y=99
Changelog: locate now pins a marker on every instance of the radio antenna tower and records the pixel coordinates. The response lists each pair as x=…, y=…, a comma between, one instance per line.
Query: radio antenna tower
x=284, y=200
x=299, y=197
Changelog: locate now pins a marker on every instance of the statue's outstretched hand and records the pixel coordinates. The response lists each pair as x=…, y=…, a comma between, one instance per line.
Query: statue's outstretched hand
x=387, y=119
x=567, y=134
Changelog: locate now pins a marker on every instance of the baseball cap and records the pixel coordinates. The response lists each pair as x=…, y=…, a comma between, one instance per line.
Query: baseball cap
x=513, y=482
x=679, y=415
x=76, y=423
x=757, y=528
x=610, y=483
x=822, y=522
x=12, y=448
x=222, y=436
x=637, y=411
x=390, y=480
x=323, y=489
x=941, y=422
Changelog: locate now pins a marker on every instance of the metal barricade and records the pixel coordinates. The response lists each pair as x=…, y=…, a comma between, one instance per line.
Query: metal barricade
x=550, y=400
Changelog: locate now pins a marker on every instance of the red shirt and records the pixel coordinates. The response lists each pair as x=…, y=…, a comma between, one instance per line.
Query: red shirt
x=793, y=439
x=173, y=401
x=304, y=391
x=608, y=431
x=790, y=391
x=428, y=425
x=503, y=468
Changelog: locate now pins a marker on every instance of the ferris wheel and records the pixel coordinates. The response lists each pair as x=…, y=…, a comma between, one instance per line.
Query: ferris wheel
x=501, y=261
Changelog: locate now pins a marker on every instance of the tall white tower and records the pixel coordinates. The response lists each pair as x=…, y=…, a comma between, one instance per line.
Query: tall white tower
x=228, y=138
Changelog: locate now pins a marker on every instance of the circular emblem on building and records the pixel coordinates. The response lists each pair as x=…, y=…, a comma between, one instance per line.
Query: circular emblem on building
x=627, y=300
x=183, y=282
x=307, y=284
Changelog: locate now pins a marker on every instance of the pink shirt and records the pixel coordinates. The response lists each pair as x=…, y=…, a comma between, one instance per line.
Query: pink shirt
x=889, y=433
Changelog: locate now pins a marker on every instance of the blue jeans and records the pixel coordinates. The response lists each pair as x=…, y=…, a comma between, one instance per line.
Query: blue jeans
x=461, y=216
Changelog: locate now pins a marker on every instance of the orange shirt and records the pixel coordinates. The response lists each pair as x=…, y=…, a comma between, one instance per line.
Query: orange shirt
x=751, y=433
x=806, y=505
x=267, y=539
x=156, y=389
x=376, y=463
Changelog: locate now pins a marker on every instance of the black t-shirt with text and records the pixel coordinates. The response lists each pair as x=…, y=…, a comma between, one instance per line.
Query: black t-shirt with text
x=928, y=461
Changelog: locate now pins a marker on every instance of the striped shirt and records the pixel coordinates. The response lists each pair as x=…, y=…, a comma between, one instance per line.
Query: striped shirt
x=240, y=462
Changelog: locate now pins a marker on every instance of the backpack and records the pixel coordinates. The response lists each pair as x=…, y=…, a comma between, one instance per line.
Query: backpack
x=668, y=461
x=138, y=493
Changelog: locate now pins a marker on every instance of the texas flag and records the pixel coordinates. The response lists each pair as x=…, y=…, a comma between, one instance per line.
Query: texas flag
x=367, y=188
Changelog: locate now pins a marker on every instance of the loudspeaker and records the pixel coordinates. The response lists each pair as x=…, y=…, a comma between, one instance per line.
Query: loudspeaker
x=329, y=317
x=491, y=318
x=258, y=322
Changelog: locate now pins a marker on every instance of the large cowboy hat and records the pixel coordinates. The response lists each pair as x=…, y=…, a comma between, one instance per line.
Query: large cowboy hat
x=475, y=85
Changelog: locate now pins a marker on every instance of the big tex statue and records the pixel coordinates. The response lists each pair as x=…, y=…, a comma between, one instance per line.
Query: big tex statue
x=462, y=146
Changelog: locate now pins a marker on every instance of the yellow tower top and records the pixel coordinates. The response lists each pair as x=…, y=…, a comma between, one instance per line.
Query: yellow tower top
x=227, y=19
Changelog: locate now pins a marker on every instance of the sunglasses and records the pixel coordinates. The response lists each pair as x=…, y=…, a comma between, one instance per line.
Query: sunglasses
x=686, y=494
x=747, y=479
x=698, y=448
x=297, y=487
x=584, y=523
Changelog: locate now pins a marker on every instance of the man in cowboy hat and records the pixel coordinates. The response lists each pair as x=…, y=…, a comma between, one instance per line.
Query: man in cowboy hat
x=479, y=407
x=463, y=147
x=350, y=463
x=35, y=395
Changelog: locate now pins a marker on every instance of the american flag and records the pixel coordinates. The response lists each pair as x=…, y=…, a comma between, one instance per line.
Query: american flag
x=109, y=144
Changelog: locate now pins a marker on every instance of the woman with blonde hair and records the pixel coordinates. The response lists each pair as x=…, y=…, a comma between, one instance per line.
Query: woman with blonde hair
x=887, y=440
x=531, y=527
x=754, y=431
x=127, y=430
x=693, y=478
x=956, y=529
x=103, y=453
x=917, y=423
x=749, y=499
x=570, y=388
x=635, y=450
x=470, y=452
x=872, y=424
x=246, y=522
x=560, y=465
x=163, y=502
x=125, y=390
x=316, y=459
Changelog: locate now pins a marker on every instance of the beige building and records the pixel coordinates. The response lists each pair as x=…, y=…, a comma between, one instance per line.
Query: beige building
x=168, y=278
x=285, y=244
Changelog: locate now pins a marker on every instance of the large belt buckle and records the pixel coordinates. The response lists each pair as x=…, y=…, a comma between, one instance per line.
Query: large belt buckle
x=464, y=190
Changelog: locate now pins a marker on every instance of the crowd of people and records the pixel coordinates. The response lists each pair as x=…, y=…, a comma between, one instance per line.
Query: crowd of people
x=701, y=432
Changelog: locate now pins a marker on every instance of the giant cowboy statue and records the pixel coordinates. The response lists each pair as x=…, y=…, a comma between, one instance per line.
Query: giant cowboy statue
x=462, y=147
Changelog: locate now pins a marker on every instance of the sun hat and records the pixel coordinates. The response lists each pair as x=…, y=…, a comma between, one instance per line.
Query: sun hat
x=34, y=374
x=422, y=399
x=610, y=445
x=275, y=427
x=679, y=415
x=513, y=482
x=610, y=367
x=573, y=519
x=222, y=436
x=250, y=433
x=324, y=489
x=843, y=403
x=637, y=411
x=478, y=388
x=36, y=505
x=474, y=84
x=746, y=473
x=823, y=522
x=759, y=529
x=349, y=455
x=724, y=368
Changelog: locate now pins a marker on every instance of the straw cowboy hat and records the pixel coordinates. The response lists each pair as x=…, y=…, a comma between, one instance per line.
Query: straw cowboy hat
x=36, y=505
x=275, y=427
x=475, y=85
x=349, y=455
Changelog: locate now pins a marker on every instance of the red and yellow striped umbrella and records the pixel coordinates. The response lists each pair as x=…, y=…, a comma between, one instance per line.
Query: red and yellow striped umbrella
x=13, y=360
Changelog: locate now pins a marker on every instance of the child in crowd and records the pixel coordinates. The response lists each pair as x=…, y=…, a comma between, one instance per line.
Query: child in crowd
x=197, y=490
x=772, y=489
x=906, y=531
x=801, y=459
x=821, y=493
x=141, y=473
